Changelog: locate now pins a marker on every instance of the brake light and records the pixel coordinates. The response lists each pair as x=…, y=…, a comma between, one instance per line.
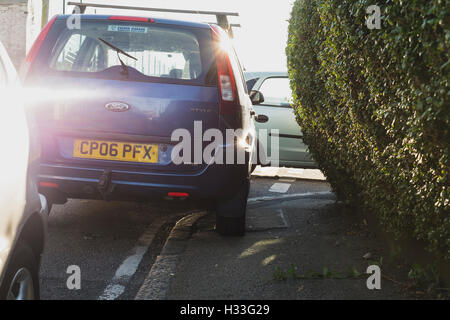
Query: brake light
x=48, y=184
x=227, y=82
x=178, y=194
x=135, y=19
x=32, y=54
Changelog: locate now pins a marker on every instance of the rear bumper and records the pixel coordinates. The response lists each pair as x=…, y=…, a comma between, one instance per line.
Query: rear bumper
x=64, y=181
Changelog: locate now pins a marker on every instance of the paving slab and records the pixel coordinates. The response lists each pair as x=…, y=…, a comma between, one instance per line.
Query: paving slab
x=311, y=238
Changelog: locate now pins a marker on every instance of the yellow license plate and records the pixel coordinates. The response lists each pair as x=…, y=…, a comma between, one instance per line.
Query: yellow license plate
x=116, y=151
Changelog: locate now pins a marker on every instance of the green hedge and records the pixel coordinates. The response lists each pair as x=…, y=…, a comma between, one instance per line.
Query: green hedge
x=374, y=107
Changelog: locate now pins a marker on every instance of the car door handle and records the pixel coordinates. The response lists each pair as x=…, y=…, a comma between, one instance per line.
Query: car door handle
x=282, y=135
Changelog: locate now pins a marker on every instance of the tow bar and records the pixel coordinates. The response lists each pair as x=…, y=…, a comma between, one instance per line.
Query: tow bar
x=105, y=185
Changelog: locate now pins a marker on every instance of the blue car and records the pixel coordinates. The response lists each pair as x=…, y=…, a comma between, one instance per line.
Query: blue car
x=112, y=93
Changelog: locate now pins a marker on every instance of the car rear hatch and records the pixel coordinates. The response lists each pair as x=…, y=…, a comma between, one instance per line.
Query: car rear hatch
x=98, y=107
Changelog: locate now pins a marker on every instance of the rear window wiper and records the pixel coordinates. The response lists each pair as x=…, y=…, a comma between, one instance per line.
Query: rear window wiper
x=119, y=51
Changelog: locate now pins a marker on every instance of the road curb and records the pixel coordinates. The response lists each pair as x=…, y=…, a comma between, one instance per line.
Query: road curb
x=157, y=282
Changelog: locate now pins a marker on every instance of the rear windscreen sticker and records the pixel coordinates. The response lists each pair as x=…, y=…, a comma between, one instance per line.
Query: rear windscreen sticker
x=135, y=29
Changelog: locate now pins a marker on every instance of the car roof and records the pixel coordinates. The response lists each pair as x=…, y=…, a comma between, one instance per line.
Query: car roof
x=157, y=20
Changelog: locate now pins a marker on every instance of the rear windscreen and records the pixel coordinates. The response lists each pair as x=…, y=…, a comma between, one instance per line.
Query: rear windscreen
x=155, y=51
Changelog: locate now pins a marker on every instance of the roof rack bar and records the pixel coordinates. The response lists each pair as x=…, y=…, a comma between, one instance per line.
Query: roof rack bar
x=222, y=17
x=108, y=6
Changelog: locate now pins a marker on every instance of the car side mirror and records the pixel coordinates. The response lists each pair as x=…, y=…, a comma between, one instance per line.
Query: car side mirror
x=257, y=97
x=261, y=118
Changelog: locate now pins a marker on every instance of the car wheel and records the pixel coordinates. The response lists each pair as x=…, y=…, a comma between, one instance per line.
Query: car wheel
x=21, y=281
x=230, y=213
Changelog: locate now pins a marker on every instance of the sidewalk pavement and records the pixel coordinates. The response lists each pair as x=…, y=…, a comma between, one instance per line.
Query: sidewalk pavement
x=304, y=174
x=313, y=236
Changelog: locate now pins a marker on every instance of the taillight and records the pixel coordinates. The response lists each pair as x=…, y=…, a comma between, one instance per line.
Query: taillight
x=226, y=87
x=227, y=82
x=32, y=54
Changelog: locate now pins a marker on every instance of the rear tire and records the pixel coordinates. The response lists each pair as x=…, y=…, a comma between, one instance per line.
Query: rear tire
x=21, y=280
x=230, y=213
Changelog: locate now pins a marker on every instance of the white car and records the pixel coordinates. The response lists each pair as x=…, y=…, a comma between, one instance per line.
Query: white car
x=23, y=211
x=276, y=105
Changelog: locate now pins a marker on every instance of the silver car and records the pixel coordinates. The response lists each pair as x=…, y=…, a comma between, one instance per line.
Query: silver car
x=23, y=211
x=276, y=105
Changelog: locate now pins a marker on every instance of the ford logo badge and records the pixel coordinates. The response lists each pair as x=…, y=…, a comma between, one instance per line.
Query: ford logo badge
x=117, y=106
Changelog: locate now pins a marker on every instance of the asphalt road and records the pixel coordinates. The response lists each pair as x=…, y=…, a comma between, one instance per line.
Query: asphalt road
x=98, y=237
x=115, y=244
